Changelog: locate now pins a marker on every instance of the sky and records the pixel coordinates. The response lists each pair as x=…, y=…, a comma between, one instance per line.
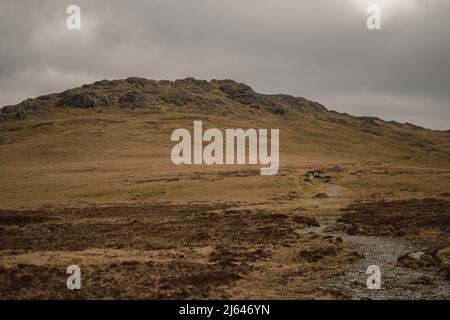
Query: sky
x=318, y=49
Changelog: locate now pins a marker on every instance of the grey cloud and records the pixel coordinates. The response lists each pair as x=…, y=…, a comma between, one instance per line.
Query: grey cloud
x=319, y=49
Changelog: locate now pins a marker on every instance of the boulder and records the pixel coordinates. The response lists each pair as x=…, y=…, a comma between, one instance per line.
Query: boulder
x=417, y=259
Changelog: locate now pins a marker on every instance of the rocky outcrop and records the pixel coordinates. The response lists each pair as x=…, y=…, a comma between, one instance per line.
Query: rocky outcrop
x=83, y=99
x=24, y=109
x=182, y=97
x=194, y=85
x=140, y=92
x=134, y=98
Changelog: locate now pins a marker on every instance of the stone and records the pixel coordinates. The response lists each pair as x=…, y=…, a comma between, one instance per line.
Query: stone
x=417, y=259
x=321, y=195
x=84, y=99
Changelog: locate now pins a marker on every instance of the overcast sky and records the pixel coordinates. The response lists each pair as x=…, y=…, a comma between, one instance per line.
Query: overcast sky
x=319, y=49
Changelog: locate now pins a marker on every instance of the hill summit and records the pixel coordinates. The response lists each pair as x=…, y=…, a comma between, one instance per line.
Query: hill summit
x=143, y=93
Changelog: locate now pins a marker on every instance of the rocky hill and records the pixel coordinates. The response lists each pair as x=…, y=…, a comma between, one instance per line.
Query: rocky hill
x=223, y=98
x=148, y=94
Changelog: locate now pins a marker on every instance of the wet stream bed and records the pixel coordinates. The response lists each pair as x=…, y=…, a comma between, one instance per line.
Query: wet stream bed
x=397, y=282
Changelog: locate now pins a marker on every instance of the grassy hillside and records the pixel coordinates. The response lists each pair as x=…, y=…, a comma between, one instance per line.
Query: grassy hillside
x=110, y=142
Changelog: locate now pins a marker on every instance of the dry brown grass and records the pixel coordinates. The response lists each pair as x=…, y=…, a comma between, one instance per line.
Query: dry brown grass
x=97, y=158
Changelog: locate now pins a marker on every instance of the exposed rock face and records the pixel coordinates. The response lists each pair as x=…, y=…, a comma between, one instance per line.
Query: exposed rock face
x=182, y=97
x=140, y=82
x=135, y=98
x=246, y=96
x=12, y=113
x=85, y=99
x=239, y=91
x=301, y=103
x=194, y=85
x=23, y=110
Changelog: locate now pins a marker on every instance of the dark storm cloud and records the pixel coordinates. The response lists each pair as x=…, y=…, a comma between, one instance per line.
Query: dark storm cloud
x=320, y=49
